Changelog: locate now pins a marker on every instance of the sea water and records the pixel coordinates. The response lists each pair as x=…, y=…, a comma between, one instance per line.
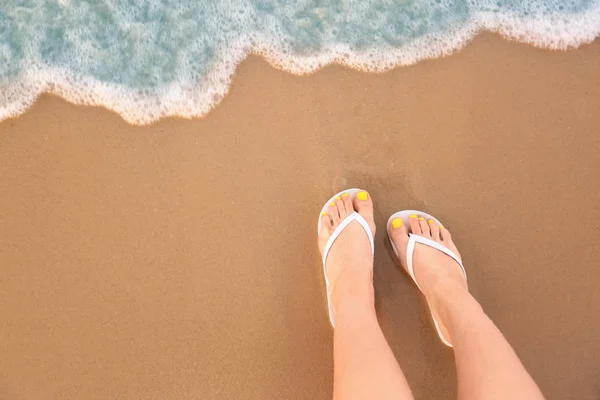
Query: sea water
x=147, y=59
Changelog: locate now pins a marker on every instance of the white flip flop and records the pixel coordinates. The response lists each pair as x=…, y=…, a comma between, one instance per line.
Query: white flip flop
x=410, y=250
x=336, y=233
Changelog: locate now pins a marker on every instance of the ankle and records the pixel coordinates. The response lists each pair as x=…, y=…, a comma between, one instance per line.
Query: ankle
x=437, y=278
x=445, y=293
x=452, y=302
x=353, y=287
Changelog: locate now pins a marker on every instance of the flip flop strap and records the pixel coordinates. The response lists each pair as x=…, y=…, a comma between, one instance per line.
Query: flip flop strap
x=336, y=233
x=410, y=250
x=349, y=219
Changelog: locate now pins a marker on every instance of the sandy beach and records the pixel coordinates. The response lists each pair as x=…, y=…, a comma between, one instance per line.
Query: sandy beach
x=179, y=260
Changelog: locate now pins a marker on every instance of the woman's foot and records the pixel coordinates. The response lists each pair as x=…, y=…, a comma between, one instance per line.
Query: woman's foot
x=434, y=270
x=350, y=260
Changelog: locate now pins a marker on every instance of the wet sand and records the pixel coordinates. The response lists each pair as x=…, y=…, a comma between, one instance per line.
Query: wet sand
x=179, y=260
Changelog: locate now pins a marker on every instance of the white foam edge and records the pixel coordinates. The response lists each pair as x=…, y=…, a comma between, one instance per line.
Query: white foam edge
x=559, y=33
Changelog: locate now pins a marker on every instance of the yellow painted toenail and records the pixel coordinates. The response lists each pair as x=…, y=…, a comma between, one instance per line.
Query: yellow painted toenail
x=324, y=213
x=413, y=216
x=345, y=195
x=430, y=221
x=362, y=195
x=332, y=204
x=421, y=219
x=397, y=223
x=441, y=227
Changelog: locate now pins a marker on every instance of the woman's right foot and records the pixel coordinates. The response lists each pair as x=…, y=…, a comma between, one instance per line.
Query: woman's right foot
x=433, y=269
x=351, y=253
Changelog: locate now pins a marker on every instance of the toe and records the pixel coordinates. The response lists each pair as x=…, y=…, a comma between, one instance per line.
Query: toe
x=445, y=234
x=434, y=229
x=326, y=221
x=424, y=227
x=413, y=222
x=363, y=204
x=342, y=211
x=334, y=213
x=347, y=201
x=398, y=232
x=326, y=229
x=446, y=240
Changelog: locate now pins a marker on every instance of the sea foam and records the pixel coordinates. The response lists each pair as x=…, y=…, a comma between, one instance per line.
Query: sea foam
x=148, y=59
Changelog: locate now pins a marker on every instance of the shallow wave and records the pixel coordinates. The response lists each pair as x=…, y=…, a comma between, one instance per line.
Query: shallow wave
x=148, y=59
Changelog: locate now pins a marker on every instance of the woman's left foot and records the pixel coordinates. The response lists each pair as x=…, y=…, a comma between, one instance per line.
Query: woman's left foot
x=433, y=269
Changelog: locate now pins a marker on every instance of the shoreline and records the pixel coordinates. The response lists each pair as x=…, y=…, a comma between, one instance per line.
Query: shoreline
x=207, y=96
x=179, y=259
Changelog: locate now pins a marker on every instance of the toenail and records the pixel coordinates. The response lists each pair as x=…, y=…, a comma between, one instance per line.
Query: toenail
x=430, y=221
x=338, y=198
x=345, y=195
x=362, y=195
x=421, y=219
x=397, y=223
x=441, y=227
x=332, y=204
x=413, y=216
x=324, y=213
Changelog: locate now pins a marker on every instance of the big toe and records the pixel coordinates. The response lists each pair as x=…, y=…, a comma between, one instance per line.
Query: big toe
x=363, y=204
x=398, y=233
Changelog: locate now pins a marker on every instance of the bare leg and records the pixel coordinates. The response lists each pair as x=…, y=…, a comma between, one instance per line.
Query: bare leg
x=487, y=367
x=364, y=365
